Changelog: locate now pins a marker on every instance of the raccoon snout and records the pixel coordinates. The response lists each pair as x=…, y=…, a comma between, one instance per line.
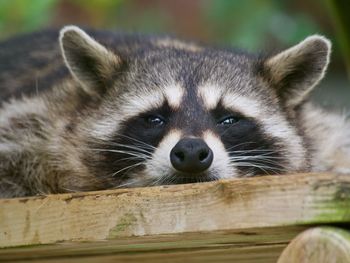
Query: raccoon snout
x=191, y=155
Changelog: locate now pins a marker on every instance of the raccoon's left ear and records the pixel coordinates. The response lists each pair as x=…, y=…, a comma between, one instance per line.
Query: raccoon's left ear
x=295, y=71
x=88, y=61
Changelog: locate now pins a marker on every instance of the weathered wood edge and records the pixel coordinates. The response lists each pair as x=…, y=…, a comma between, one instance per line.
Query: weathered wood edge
x=271, y=201
x=318, y=245
x=265, y=244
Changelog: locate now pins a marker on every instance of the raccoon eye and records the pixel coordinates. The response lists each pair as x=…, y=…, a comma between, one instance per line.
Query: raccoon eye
x=228, y=120
x=154, y=120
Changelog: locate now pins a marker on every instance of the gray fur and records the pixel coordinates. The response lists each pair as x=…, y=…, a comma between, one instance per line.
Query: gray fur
x=51, y=131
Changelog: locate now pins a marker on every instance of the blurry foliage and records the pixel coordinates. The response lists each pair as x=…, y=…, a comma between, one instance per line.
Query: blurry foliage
x=250, y=24
x=101, y=6
x=340, y=10
x=24, y=15
x=245, y=23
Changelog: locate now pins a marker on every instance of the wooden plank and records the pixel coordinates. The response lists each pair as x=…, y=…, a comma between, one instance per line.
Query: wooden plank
x=261, y=245
x=229, y=205
x=319, y=245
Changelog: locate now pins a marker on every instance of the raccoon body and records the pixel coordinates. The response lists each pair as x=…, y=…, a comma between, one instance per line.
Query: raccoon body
x=98, y=110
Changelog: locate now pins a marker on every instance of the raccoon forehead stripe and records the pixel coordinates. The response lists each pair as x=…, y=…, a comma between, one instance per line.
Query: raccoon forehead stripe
x=245, y=105
x=210, y=95
x=178, y=44
x=139, y=103
x=174, y=94
x=154, y=99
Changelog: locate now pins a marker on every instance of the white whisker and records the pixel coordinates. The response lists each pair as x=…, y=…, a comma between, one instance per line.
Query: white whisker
x=123, y=185
x=130, y=146
x=240, y=144
x=132, y=153
x=138, y=141
x=128, y=167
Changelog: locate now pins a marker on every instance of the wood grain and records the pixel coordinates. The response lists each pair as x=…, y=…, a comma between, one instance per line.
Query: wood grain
x=260, y=245
x=245, y=220
x=319, y=245
x=223, y=205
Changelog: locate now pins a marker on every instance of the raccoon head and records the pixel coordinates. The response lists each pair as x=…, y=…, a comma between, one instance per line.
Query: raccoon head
x=172, y=112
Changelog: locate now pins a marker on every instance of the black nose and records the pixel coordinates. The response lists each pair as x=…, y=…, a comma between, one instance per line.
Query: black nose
x=191, y=156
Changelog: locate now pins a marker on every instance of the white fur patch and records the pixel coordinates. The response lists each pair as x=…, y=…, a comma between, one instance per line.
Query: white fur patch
x=141, y=103
x=210, y=95
x=174, y=43
x=174, y=94
x=277, y=126
x=220, y=167
x=159, y=167
x=245, y=105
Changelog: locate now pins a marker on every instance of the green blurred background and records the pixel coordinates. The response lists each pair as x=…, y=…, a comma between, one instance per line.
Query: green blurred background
x=250, y=24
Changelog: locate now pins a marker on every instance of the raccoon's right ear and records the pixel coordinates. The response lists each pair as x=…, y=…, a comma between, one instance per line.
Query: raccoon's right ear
x=88, y=61
x=295, y=71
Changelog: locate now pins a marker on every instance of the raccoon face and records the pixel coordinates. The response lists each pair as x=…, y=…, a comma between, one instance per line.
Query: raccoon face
x=178, y=114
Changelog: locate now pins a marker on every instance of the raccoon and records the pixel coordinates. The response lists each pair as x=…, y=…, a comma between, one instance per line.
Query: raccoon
x=90, y=110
